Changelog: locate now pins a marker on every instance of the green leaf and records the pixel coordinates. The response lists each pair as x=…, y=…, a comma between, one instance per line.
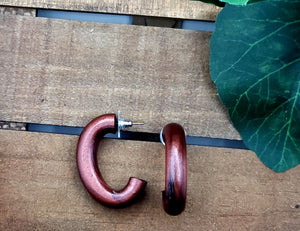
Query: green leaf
x=255, y=64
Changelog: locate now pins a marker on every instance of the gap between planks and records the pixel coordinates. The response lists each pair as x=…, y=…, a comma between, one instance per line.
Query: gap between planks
x=183, y=9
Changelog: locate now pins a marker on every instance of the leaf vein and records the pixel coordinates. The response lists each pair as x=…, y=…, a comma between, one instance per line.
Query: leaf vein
x=290, y=121
x=253, y=45
x=261, y=79
x=269, y=116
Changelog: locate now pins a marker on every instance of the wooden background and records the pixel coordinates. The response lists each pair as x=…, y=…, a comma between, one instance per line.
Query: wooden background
x=168, y=8
x=67, y=72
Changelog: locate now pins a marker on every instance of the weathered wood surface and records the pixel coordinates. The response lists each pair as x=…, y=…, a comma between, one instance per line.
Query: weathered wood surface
x=17, y=11
x=185, y=9
x=66, y=73
x=227, y=189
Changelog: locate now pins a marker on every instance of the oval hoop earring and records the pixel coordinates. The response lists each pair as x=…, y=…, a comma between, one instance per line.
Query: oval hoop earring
x=88, y=168
x=174, y=196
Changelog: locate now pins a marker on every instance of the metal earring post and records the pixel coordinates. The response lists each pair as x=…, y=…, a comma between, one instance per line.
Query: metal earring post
x=122, y=124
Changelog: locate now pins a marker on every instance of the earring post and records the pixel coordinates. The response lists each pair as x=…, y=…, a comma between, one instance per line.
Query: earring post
x=134, y=123
x=122, y=124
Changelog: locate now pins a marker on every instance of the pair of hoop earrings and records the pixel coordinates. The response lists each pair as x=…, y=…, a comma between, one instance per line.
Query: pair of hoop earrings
x=172, y=136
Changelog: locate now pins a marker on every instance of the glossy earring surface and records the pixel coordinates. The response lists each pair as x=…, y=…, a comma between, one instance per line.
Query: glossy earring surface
x=88, y=167
x=174, y=196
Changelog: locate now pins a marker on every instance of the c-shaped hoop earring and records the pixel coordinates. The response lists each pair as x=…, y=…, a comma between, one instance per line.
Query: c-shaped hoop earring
x=174, y=196
x=88, y=168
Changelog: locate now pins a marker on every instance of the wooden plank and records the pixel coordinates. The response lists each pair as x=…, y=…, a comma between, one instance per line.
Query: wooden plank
x=12, y=126
x=17, y=11
x=66, y=73
x=22, y=12
x=185, y=9
x=227, y=189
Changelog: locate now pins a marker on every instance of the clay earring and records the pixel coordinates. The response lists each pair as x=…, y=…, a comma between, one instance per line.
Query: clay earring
x=88, y=167
x=174, y=196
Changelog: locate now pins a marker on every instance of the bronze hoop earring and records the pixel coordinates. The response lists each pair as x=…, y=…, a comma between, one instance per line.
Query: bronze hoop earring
x=174, y=196
x=88, y=167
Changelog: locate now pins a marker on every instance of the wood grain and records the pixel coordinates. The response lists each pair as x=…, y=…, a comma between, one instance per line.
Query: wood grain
x=67, y=73
x=17, y=11
x=185, y=9
x=227, y=189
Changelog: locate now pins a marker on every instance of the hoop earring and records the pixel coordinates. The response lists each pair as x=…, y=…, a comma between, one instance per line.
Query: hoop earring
x=88, y=168
x=174, y=196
